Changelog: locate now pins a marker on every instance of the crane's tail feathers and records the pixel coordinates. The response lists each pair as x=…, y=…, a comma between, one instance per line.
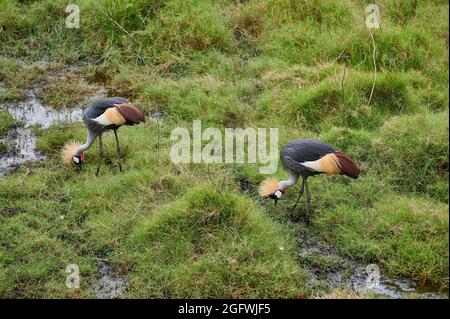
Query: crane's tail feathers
x=68, y=151
x=346, y=165
x=268, y=187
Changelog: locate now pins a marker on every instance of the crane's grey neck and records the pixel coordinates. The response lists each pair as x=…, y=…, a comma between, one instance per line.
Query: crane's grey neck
x=291, y=181
x=90, y=139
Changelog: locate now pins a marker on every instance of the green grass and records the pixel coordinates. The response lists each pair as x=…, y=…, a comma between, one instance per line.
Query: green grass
x=407, y=237
x=302, y=66
x=416, y=147
x=213, y=244
x=329, y=102
x=6, y=123
x=16, y=78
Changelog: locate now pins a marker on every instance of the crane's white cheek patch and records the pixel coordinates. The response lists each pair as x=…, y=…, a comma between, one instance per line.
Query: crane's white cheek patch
x=76, y=160
x=278, y=194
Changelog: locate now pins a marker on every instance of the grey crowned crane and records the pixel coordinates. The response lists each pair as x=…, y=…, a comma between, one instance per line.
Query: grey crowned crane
x=305, y=158
x=102, y=115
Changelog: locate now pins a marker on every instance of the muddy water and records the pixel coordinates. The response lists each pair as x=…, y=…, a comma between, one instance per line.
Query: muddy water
x=108, y=286
x=351, y=275
x=33, y=112
x=21, y=142
x=22, y=148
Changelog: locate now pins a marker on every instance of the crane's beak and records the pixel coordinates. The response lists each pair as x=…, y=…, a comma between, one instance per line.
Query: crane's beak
x=275, y=202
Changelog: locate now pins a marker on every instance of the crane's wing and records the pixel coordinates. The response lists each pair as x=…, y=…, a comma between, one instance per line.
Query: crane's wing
x=292, y=165
x=306, y=150
x=294, y=153
x=130, y=113
x=99, y=106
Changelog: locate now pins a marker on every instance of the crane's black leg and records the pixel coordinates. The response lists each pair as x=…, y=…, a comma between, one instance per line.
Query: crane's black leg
x=118, y=150
x=302, y=189
x=100, y=153
x=308, y=202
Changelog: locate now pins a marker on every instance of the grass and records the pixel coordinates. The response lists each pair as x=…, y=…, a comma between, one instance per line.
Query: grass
x=17, y=79
x=217, y=244
x=416, y=146
x=403, y=235
x=6, y=123
x=171, y=230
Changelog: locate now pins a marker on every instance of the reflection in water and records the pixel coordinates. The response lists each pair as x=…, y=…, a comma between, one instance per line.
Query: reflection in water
x=394, y=288
x=352, y=275
x=32, y=112
x=22, y=146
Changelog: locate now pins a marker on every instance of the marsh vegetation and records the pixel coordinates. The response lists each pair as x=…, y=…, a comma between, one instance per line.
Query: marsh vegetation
x=194, y=230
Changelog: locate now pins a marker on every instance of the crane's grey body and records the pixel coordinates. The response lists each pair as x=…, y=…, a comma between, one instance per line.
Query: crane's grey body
x=97, y=108
x=294, y=153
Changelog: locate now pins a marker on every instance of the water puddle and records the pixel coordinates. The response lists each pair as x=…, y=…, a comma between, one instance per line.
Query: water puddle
x=31, y=112
x=21, y=141
x=328, y=271
x=108, y=285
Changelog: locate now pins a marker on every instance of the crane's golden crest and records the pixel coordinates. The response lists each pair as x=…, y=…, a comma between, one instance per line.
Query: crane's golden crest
x=268, y=187
x=68, y=151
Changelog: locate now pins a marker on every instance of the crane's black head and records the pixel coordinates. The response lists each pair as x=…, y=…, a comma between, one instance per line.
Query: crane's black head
x=70, y=154
x=276, y=196
x=271, y=188
x=78, y=159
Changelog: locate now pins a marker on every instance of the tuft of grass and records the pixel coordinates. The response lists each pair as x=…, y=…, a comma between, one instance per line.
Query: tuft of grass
x=406, y=237
x=358, y=143
x=347, y=103
x=64, y=92
x=215, y=245
x=16, y=79
x=6, y=122
x=231, y=64
x=186, y=28
x=320, y=13
x=416, y=148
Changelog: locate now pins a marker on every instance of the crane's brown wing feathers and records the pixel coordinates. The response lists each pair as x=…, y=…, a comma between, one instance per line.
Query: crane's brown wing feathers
x=347, y=166
x=130, y=113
